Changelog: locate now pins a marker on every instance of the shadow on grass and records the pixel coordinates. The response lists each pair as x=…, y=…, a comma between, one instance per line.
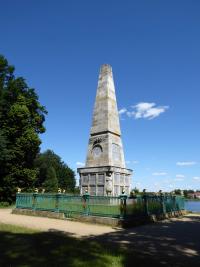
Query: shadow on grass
x=52, y=248
x=175, y=243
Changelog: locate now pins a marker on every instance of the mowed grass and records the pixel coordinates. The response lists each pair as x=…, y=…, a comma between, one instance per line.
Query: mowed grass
x=20, y=246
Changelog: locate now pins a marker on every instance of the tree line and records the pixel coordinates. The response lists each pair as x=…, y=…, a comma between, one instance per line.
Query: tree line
x=22, y=120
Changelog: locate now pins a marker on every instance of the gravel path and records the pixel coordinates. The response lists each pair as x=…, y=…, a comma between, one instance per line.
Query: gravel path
x=75, y=228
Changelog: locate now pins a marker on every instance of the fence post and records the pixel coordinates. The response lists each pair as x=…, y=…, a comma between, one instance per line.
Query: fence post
x=174, y=202
x=146, y=206
x=17, y=199
x=86, y=199
x=171, y=203
x=34, y=201
x=57, y=202
x=123, y=198
x=162, y=197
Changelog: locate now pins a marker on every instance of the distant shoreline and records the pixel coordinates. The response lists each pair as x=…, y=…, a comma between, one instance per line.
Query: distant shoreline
x=192, y=199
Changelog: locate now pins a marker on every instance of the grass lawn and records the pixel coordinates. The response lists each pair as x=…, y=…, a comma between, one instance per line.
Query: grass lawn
x=22, y=247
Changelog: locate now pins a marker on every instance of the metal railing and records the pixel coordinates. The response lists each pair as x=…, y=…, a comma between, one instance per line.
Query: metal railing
x=104, y=206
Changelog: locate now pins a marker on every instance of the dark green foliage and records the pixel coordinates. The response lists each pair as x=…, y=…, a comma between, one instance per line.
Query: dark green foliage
x=77, y=190
x=177, y=191
x=188, y=192
x=49, y=160
x=185, y=193
x=4, y=204
x=51, y=182
x=21, y=122
x=136, y=190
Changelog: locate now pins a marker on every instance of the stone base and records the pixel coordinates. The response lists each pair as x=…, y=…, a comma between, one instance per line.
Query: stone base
x=40, y=213
x=108, y=184
x=136, y=221
x=113, y=222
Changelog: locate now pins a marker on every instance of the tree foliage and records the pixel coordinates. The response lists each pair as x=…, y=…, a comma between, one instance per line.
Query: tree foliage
x=177, y=191
x=21, y=121
x=64, y=175
x=51, y=182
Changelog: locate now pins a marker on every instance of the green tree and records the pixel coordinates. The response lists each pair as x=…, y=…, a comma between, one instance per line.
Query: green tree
x=64, y=174
x=177, y=191
x=21, y=122
x=185, y=193
x=51, y=182
x=136, y=190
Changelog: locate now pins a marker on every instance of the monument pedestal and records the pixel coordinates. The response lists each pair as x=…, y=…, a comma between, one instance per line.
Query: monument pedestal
x=105, y=180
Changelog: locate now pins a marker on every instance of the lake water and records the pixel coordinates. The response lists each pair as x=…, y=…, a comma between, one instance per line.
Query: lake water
x=192, y=205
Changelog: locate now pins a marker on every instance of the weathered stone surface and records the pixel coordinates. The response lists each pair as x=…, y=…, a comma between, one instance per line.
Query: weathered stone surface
x=105, y=153
x=41, y=213
x=105, y=116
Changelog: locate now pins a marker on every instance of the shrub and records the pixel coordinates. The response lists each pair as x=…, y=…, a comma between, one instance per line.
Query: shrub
x=4, y=204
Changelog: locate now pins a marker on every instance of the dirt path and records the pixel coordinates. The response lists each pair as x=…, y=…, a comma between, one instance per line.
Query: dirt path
x=75, y=228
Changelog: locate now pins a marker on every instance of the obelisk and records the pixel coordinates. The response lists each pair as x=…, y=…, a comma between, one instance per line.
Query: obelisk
x=105, y=172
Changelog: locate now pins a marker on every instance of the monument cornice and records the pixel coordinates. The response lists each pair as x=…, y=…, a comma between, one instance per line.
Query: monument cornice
x=108, y=168
x=105, y=132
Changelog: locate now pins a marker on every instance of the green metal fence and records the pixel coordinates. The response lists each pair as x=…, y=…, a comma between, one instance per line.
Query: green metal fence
x=116, y=207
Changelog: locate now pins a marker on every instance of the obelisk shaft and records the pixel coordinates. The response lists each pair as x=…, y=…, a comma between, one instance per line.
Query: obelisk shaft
x=105, y=116
x=105, y=134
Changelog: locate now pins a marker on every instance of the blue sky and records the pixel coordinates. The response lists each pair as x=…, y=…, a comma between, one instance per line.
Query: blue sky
x=154, y=50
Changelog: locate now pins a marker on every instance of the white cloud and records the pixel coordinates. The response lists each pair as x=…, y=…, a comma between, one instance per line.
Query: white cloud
x=186, y=163
x=132, y=162
x=180, y=176
x=80, y=164
x=159, y=173
x=178, y=179
x=166, y=181
x=122, y=111
x=196, y=178
x=130, y=114
x=146, y=110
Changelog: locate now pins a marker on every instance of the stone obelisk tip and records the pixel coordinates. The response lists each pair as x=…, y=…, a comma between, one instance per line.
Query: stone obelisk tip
x=106, y=69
